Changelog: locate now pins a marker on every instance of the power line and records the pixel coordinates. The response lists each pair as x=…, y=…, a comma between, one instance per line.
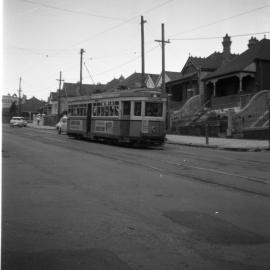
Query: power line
x=127, y=62
x=221, y=20
x=118, y=25
x=219, y=37
x=72, y=11
x=91, y=77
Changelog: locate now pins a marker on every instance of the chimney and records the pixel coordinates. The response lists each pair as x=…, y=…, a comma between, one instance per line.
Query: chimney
x=252, y=42
x=226, y=54
x=227, y=45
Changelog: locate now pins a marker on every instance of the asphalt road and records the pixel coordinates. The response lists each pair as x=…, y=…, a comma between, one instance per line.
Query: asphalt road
x=71, y=204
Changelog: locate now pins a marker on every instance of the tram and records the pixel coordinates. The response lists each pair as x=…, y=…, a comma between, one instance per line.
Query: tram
x=126, y=116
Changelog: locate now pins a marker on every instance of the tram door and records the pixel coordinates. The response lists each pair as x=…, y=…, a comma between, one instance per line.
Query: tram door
x=88, y=121
x=125, y=123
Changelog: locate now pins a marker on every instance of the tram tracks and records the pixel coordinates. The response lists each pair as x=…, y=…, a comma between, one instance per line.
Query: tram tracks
x=161, y=162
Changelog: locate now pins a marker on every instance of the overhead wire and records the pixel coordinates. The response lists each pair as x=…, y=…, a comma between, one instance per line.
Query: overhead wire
x=109, y=29
x=162, y=4
x=220, y=20
x=126, y=63
x=219, y=37
x=118, y=25
x=72, y=11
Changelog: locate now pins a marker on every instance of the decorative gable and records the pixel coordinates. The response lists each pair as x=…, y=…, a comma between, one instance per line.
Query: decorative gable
x=188, y=68
x=149, y=82
x=251, y=67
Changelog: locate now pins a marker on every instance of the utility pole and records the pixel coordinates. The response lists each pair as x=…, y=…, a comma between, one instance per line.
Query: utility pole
x=81, y=63
x=142, y=41
x=20, y=100
x=163, y=41
x=59, y=94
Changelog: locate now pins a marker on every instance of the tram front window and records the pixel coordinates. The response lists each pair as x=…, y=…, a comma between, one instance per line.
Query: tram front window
x=153, y=109
x=137, y=108
x=126, y=107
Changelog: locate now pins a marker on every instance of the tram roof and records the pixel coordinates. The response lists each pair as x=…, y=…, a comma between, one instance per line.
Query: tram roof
x=140, y=92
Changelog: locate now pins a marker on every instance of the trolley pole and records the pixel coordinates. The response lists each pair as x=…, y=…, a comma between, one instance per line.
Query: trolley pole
x=81, y=62
x=59, y=95
x=20, y=99
x=142, y=44
x=163, y=41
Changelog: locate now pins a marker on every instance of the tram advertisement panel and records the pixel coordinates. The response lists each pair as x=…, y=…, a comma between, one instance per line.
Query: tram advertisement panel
x=145, y=126
x=104, y=126
x=76, y=125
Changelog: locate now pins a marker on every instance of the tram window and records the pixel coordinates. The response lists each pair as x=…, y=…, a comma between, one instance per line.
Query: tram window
x=106, y=109
x=111, y=111
x=153, y=109
x=137, y=108
x=116, y=110
x=94, y=111
x=126, y=107
x=101, y=111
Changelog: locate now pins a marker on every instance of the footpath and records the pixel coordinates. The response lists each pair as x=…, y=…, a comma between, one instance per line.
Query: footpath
x=196, y=141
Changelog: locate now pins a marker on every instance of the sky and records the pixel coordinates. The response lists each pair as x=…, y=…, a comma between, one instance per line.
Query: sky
x=43, y=37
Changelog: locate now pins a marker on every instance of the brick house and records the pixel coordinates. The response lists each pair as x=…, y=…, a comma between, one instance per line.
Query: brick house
x=234, y=83
x=190, y=80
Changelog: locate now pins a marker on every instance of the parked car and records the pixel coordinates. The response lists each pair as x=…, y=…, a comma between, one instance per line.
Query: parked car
x=18, y=121
x=61, y=126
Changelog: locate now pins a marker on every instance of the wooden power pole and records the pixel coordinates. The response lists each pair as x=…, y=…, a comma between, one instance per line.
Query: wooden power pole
x=59, y=94
x=81, y=63
x=142, y=43
x=163, y=56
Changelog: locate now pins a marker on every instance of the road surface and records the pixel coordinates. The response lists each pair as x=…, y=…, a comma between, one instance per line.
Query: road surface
x=71, y=204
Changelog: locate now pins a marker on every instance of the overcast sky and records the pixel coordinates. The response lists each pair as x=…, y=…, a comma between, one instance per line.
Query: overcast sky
x=42, y=37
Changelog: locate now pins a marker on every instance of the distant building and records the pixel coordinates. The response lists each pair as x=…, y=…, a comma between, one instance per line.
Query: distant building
x=7, y=100
x=32, y=106
x=70, y=92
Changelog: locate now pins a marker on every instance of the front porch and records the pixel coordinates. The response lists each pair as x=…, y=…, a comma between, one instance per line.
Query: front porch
x=183, y=89
x=230, y=91
x=231, y=101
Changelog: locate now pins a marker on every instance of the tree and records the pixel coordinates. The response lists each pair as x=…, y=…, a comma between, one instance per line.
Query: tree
x=13, y=109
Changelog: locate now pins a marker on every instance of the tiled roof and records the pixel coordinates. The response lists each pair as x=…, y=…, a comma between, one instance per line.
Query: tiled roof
x=134, y=80
x=73, y=89
x=260, y=50
x=212, y=62
x=183, y=77
x=154, y=77
x=32, y=105
x=114, y=84
x=173, y=75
